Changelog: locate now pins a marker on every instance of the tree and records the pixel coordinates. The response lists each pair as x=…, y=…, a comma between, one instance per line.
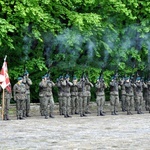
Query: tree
x=75, y=36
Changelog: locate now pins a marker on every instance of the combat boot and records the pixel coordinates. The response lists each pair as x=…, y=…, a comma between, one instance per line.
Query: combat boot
x=141, y=112
x=21, y=118
x=138, y=112
x=112, y=113
x=81, y=115
x=51, y=116
x=101, y=113
x=128, y=113
x=18, y=117
x=84, y=115
x=88, y=112
x=131, y=113
x=115, y=113
x=65, y=116
x=46, y=117
x=98, y=113
x=69, y=116
x=7, y=118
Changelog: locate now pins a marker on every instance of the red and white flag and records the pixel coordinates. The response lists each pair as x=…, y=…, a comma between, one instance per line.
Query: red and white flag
x=4, y=77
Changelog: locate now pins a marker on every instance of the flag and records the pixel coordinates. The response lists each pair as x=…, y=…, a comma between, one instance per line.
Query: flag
x=5, y=77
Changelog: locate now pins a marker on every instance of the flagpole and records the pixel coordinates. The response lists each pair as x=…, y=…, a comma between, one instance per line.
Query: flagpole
x=3, y=105
x=3, y=99
x=5, y=57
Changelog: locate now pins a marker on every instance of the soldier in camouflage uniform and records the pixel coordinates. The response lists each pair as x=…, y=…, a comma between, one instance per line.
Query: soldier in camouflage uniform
x=114, y=95
x=43, y=97
x=66, y=95
x=100, y=95
x=139, y=95
x=123, y=95
x=74, y=97
x=129, y=95
x=82, y=95
x=50, y=84
x=28, y=82
x=88, y=94
x=60, y=92
x=19, y=91
x=147, y=95
x=7, y=98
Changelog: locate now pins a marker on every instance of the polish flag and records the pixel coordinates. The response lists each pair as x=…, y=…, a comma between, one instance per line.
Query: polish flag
x=4, y=77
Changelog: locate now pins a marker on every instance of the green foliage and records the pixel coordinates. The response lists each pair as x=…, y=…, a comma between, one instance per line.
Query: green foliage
x=74, y=36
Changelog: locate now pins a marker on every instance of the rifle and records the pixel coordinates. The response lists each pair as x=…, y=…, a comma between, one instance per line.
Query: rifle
x=83, y=76
x=101, y=73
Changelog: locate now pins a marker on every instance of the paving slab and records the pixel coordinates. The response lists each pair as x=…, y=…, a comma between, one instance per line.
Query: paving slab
x=120, y=132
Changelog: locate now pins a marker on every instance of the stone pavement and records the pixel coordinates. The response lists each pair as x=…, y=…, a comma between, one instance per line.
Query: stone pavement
x=121, y=132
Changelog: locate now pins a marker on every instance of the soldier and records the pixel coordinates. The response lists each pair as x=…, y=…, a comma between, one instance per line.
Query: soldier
x=100, y=95
x=74, y=97
x=7, y=97
x=123, y=95
x=66, y=96
x=82, y=95
x=147, y=95
x=60, y=92
x=88, y=94
x=129, y=95
x=139, y=95
x=27, y=81
x=50, y=84
x=19, y=91
x=43, y=97
x=114, y=95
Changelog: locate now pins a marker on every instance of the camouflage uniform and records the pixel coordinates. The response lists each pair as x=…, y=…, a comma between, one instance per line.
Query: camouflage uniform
x=19, y=91
x=82, y=96
x=123, y=95
x=129, y=96
x=7, y=98
x=139, y=95
x=114, y=96
x=88, y=94
x=74, y=97
x=60, y=92
x=50, y=84
x=147, y=95
x=43, y=97
x=66, y=96
x=100, y=96
x=27, y=81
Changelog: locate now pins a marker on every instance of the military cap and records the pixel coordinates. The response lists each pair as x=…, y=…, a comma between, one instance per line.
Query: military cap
x=138, y=78
x=67, y=76
x=112, y=78
x=43, y=77
x=20, y=78
x=74, y=78
x=60, y=77
x=126, y=78
x=26, y=72
x=100, y=77
x=97, y=78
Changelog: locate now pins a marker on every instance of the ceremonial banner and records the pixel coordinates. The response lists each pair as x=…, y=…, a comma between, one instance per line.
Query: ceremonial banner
x=4, y=77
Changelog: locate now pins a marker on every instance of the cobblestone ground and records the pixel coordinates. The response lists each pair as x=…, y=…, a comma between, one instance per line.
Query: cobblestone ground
x=107, y=132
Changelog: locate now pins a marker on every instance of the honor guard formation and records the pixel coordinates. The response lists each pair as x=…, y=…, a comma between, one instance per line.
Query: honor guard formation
x=74, y=96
